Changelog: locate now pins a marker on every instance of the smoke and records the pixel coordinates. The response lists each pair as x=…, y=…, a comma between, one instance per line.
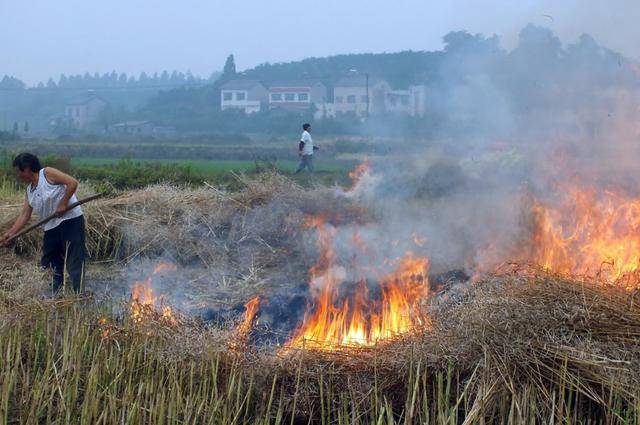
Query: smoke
x=511, y=128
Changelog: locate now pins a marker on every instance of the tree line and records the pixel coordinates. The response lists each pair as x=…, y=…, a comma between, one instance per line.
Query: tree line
x=112, y=79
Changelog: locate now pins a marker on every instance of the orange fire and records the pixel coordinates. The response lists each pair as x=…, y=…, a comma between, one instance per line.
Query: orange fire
x=105, y=326
x=143, y=300
x=590, y=233
x=251, y=309
x=361, y=319
x=358, y=172
x=241, y=341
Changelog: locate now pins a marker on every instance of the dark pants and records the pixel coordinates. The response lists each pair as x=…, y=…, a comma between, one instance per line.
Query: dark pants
x=64, y=244
x=305, y=161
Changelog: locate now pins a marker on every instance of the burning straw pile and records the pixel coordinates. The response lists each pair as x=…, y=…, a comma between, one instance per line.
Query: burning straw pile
x=519, y=346
x=232, y=235
x=515, y=348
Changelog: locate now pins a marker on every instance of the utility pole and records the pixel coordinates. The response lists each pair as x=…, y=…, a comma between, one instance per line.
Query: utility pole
x=366, y=79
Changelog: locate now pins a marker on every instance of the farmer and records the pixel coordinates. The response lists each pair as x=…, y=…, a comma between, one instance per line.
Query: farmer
x=305, y=149
x=51, y=191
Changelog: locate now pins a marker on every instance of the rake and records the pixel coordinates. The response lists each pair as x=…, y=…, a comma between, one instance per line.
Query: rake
x=49, y=218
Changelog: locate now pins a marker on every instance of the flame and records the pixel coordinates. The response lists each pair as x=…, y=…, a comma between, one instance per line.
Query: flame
x=360, y=319
x=143, y=301
x=357, y=174
x=105, y=327
x=251, y=309
x=241, y=341
x=589, y=233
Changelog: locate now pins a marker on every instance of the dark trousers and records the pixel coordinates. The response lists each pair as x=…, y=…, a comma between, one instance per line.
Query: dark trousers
x=305, y=161
x=64, y=244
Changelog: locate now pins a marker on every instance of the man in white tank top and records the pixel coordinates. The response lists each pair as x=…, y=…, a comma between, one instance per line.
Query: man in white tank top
x=306, y=149
x=52, y=191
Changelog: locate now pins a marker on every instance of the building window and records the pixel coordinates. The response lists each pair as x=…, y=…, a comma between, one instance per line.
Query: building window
x=276, y=97
x=240, y=95
x=227, y=96
x=404, y=101
x=351, y=99
x=338, y=99
x=290, y=97
x=303, y=97
x=363, y=99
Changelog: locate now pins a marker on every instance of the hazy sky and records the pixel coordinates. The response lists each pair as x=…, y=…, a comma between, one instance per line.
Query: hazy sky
x=42, y=38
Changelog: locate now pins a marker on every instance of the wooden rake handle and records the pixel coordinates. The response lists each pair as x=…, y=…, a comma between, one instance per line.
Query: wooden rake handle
x=49, y=218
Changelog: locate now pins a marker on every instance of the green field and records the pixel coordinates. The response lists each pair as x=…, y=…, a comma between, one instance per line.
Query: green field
x=134, y=173
x=217, y=166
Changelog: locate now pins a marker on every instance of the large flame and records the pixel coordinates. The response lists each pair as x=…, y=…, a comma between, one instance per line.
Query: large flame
x=589, y=233
x=143, y=300
x=338, y=319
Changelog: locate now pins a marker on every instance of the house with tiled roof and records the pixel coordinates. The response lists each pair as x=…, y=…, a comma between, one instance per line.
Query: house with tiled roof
x=83, y=111
x=248, y=95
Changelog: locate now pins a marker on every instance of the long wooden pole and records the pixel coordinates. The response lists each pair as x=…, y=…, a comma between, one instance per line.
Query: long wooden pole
x=51, y=217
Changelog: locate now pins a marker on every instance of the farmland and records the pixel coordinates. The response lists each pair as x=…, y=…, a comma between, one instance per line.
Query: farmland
x=127, y=164
x=520, y=345
x=466, y=250
x=211, y=166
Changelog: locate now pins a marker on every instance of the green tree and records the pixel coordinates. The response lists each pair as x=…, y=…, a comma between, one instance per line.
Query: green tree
x=229, y=70
x=12, y=83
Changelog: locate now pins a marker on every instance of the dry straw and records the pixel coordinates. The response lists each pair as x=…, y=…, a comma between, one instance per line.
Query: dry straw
x=517, y=347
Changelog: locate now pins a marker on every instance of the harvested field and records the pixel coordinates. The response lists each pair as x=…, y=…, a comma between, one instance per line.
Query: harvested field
x=521, y=345
x=515, y=349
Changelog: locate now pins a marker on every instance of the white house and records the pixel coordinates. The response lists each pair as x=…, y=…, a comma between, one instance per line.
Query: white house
x=360, y=95
x=297, y=94
x=411, y=101
x=83, y=111
x=248, y=95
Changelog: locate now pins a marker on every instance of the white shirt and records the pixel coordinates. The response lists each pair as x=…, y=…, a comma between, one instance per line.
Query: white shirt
x=308, y=143
x=46, y=197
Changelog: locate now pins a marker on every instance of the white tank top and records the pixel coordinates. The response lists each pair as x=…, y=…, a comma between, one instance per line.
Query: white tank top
x=46, y=197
